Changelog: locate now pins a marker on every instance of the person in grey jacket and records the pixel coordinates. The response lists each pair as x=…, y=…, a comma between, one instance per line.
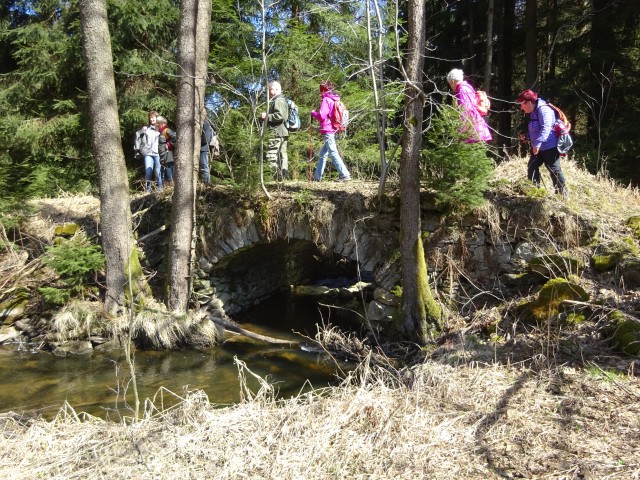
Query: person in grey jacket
x=278, y=132
x=146, y=145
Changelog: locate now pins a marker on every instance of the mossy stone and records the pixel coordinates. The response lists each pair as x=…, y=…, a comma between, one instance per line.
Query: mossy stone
x=14, y=308
x=547, y=304
x=604, y=263
x=629, y=268
x=556, y=265
x=575, y=318
x=625, y=333
x=67, y=230
x=634, y=224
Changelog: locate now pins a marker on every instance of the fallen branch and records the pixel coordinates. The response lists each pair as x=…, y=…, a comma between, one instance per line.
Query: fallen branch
x=230, y=325
x=151, y=234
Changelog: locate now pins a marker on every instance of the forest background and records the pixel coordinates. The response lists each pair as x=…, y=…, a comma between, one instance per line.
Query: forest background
x=581, y=55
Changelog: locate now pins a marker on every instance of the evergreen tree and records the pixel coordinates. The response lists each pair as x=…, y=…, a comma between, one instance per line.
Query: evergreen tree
x=457, y=171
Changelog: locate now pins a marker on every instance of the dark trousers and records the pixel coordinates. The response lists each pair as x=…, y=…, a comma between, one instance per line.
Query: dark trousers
x=551, y=159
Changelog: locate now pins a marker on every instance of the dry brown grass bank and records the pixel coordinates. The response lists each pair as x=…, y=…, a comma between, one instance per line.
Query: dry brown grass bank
x=436, y=422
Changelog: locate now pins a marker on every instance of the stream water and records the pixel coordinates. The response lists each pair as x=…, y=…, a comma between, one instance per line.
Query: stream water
x=37, y=382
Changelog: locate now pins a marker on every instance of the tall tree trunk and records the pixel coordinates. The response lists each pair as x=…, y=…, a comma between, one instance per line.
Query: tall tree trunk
x=471, y=65
x=553, y=31
x=531, y=47
x=421, y=315
x=489, y=54
x=505, y=75
x=193, y=50
x=115, y=210
x=377, y=82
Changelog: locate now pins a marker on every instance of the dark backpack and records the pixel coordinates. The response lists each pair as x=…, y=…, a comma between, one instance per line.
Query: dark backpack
x=293, y=119
x=339, y=116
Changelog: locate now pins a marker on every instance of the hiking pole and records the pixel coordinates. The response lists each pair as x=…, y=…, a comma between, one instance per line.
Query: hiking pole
x=310, y=149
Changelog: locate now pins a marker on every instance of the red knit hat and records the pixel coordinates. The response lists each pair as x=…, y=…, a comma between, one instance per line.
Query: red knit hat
x=527, y=96
x=326, y=86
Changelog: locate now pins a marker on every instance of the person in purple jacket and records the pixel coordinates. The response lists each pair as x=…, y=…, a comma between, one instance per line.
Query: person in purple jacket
x=329, y=149
x=467, y=102
x=544, y=141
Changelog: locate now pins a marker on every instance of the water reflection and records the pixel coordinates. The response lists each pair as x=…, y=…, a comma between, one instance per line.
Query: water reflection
x=38, y=382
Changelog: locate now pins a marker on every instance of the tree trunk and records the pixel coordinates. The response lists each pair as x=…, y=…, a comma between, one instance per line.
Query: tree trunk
x=531, y=47
x=489, y=55
x=193, y=50
x=420, y=313
x=505, y=75
x=115, y=211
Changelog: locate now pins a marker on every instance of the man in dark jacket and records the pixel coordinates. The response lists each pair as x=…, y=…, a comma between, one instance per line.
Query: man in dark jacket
x=166, y=144
x=207, y=136
x=278, y=132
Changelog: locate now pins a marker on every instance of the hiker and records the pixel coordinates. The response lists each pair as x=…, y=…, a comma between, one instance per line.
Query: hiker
x=146, y=145
x=544, y=141
x=466, y=99
x=206, y=137
x=166, y=145
x=278, y=131
x=323, y=116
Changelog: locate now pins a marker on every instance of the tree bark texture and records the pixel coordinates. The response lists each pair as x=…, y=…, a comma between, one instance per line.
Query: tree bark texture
x=505, y=77
x=531, y=47
x=115, y=210
x=489, y=52
x=417, y=317
x=193, y=49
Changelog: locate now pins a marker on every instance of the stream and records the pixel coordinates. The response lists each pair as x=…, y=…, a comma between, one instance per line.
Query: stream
x=36, y=382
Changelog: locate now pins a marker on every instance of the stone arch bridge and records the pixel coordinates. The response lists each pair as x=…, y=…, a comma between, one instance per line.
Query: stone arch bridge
x=250, y=247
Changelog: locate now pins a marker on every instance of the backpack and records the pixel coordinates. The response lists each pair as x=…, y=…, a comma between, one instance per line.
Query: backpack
x=214, y=146
x=293, y=120
x=562, y=125
x=561, y=128
x=140, y=142
x=483, y=104
x=339, y=116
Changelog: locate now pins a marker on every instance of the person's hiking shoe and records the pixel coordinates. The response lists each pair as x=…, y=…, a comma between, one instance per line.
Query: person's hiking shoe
x=344, y=179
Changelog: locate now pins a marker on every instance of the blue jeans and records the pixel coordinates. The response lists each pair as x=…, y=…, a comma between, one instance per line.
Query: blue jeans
x=550, y=158
x=329, y=149
x=204, y=166
x=151, y=165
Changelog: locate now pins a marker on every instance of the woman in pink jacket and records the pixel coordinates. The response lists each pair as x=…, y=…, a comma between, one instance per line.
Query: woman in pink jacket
x=467, y=102
x=329, y=149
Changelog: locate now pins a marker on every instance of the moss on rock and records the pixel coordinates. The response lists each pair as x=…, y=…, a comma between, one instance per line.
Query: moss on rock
x=604, y=263
x=556, y=265
x=634, y=224
x=67, y=230
x=547, y=304
x=629, y=268
x=624, y=333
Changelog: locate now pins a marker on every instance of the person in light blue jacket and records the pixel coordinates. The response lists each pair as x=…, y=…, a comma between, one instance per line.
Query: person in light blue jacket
x=544, y=141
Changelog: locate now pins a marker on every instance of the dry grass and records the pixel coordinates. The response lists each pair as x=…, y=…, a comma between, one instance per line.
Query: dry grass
x=598, y=196
x=434, y=421
x=154, y=327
